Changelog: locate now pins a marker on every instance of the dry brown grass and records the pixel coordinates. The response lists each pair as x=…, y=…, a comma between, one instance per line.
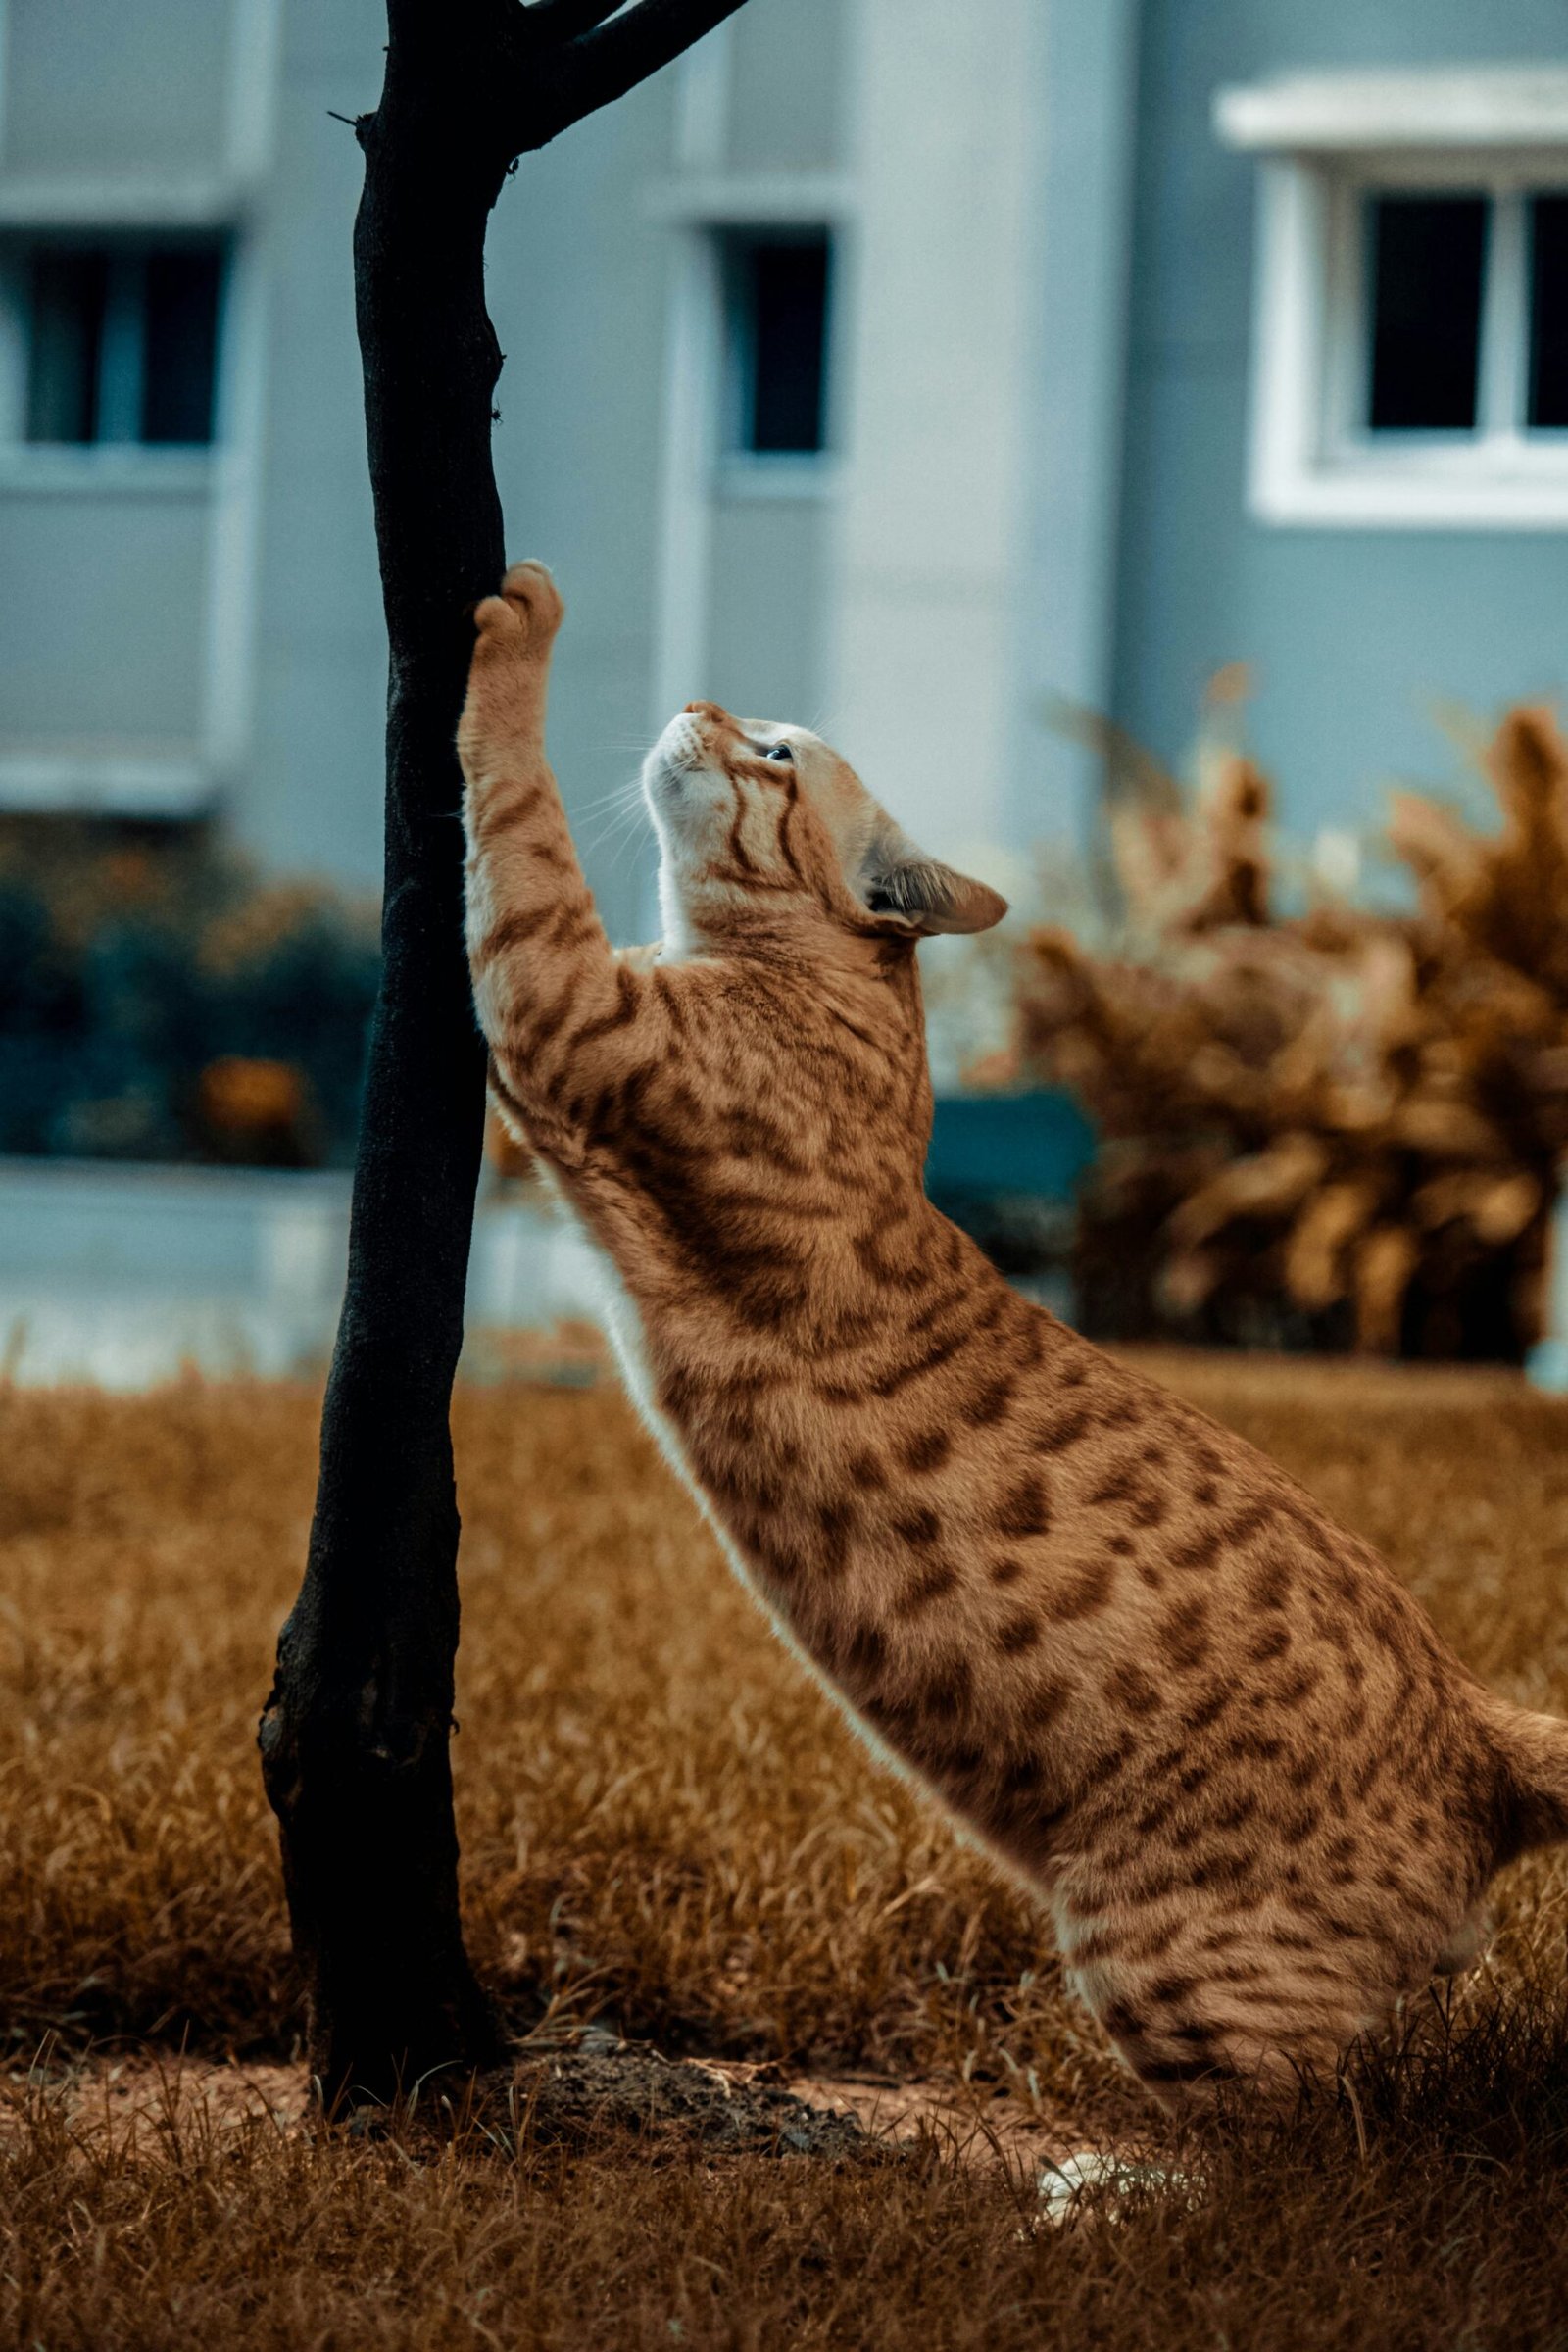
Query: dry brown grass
x=666, y=1828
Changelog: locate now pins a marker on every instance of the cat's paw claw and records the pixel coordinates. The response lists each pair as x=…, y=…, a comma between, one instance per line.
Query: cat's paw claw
x=530, y=600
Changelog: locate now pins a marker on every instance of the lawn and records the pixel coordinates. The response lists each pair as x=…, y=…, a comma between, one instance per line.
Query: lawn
x=669, y=1836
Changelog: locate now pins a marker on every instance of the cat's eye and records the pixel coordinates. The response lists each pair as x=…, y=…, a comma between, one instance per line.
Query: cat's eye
x=781, y=752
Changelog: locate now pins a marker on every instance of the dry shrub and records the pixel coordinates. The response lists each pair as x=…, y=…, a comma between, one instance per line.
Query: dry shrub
x=1340, y=1125
x=159, y=1002
x=665, y=1825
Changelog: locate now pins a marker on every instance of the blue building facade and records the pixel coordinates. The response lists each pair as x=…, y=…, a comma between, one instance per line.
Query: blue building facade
x=1356, y=618
x=905, y=368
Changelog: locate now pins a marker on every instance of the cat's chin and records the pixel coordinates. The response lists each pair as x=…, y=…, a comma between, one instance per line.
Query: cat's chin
x=677, y=756
x=676, y=769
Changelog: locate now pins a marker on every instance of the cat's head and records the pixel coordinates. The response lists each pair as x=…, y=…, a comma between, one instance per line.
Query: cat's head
x=757, y=822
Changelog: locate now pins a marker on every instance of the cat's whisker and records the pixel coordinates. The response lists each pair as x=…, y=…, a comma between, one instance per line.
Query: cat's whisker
x=613, y=812
x=630, y=840
x=620, y=796
x=621, y=824
x=611, y=828
x=611, y=863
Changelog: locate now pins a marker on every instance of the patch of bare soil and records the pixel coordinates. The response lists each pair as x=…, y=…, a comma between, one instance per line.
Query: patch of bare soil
x=590, y=2089
x=968, y=2129
x=595, y=2086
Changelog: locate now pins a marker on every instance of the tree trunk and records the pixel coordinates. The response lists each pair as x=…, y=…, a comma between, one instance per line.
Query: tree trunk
x=355, y=1736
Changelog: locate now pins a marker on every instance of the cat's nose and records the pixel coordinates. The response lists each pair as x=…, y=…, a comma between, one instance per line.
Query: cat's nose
x=713, y=711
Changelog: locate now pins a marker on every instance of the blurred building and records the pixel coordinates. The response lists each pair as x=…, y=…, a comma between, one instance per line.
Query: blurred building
x=890, y=365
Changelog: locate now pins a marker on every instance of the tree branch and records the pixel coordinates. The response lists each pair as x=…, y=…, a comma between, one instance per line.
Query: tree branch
x=615, y=56
x=565, y=20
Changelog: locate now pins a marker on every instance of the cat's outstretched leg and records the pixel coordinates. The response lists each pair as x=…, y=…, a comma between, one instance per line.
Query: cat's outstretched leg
x=509, y=676
x=560, y=1013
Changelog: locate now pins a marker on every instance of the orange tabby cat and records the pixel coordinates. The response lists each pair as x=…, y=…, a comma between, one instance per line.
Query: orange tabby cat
x=1259, y=1796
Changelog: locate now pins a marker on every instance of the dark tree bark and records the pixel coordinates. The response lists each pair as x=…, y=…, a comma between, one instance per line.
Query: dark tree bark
x=355, y=1736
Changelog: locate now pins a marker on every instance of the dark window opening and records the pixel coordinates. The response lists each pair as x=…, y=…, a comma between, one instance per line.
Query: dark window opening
x=1548, y=313
x=179, y=370
x=64, y=355
x=1427, y=261
x=778, y=298
x=123, y=343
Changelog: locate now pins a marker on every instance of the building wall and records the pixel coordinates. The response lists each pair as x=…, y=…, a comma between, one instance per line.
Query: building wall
x=1077, y=263
x=880, y=594
x=785, y=106
x=585, y=255
x=1351, y=635
x=744, y=600
x=97, y=86
x=1039, y=366
x=244, y=669
x=306, y=796
x=575, y=291
x=104, y=619
x=111, y=120
x=932, y=550
x=982, y=304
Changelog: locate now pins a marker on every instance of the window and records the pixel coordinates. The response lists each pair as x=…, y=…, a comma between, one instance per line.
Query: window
x=1467, y=302
x=776, y=289
x=1410, y=358
x=1548, y=410
x=1426, y=260
x=122, y=343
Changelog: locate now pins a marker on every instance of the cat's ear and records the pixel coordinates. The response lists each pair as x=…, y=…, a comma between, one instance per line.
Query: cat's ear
x=901, y=881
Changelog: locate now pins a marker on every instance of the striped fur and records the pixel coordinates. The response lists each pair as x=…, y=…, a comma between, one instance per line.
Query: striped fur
x=1261, y=1799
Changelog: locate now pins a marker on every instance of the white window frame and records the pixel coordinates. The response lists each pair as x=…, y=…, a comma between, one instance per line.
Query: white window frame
x=1326, y=144
x=226, y=476
x=740, y=471
x=707, y=209
x=118, y=456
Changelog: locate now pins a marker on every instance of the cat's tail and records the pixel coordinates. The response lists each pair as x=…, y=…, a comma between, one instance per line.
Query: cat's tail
x=1534, y=1754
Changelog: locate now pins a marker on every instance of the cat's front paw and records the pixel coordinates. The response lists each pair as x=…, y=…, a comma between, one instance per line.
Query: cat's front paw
x=527, y=613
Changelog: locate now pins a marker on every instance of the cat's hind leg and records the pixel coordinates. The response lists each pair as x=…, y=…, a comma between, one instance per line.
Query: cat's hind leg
x=1461, y=1950
x=1262, y=2021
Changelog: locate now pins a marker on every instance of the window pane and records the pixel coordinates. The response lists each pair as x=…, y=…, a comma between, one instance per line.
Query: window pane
x=180, y=356
x=70, y=292
x=784, y=298
x=1427, y=259
x=1549, y=311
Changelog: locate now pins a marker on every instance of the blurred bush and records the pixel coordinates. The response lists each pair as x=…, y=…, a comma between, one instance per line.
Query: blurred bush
x=1339, y=1126
x=157, y=1002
